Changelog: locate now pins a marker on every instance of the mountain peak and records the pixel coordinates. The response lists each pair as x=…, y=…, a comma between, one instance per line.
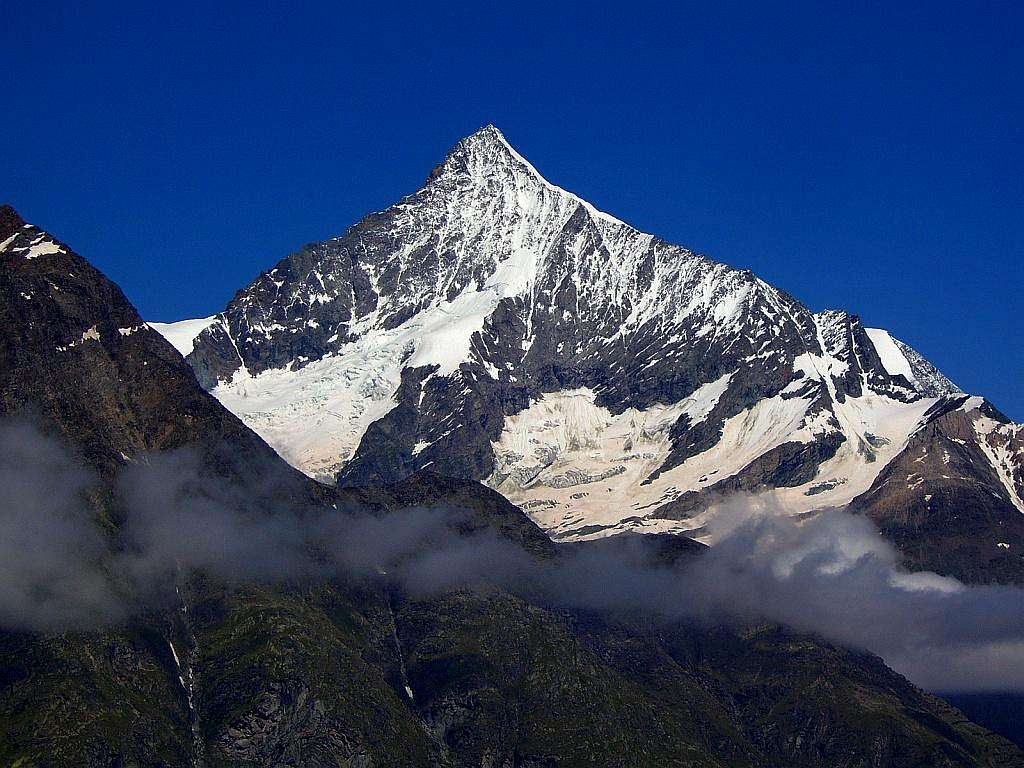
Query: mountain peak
x=10, y=221
x=490, y=143
x=485, y=152
x=484, y=148
x=490, y=132
x=489, y=137
x=487, y=158
x=497, y=327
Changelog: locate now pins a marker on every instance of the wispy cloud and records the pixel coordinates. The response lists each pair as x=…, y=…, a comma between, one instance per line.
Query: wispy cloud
x=831, y=575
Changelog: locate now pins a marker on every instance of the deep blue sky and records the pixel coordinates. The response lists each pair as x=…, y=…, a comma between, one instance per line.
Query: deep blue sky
x=867, y=159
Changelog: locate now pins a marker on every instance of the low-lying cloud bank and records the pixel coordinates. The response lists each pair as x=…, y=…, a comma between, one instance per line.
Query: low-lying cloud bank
x=51, y=552
x=831, y=575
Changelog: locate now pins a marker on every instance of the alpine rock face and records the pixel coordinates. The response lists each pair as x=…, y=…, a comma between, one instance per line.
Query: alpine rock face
x=494, y=326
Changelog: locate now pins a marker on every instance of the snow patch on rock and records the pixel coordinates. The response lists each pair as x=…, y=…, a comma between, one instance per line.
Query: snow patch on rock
x=182, y=334
x=893, y=359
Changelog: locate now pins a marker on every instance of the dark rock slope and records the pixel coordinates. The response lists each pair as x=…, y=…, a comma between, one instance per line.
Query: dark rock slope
x=75, y=350
x=949, y=501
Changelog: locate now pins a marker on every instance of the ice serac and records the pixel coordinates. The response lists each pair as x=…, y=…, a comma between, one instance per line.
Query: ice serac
x=495, y=326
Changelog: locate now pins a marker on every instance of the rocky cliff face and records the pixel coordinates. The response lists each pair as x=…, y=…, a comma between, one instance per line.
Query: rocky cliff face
x=74, y=350
x=951, y=499
x=496, y=327
x=354, y=672
x=77, y=360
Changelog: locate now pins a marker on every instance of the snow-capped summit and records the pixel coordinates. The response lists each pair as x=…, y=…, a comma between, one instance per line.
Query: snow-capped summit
x=493, y=325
